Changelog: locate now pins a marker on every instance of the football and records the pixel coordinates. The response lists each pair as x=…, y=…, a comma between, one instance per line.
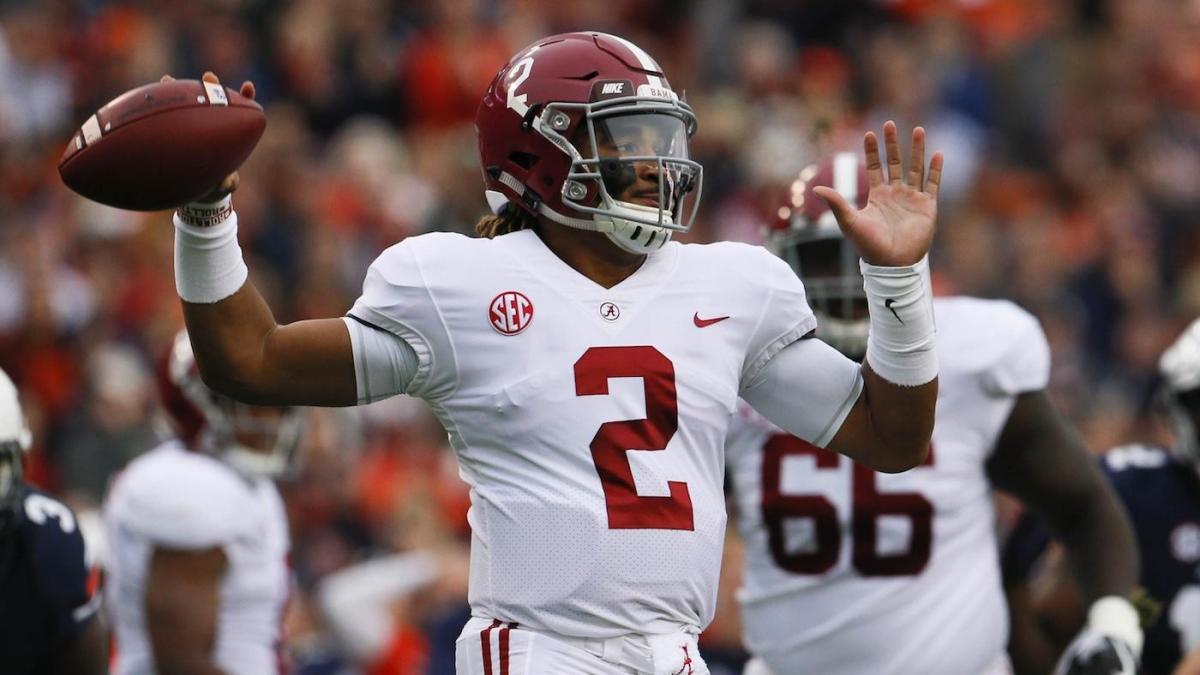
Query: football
x=162, y=145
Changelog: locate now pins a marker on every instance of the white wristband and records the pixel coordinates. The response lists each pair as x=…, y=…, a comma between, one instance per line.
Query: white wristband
x=900, y=345
x=208, y=260
x=1116, y=617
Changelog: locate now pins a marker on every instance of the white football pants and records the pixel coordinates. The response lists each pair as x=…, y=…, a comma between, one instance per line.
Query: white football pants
x=489, y=647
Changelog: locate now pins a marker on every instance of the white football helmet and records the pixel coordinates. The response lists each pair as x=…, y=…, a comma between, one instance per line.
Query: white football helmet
x=14, y=442
x=1179, y=367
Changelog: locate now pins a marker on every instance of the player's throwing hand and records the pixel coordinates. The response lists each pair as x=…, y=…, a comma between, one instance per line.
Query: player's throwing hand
x=230, y=183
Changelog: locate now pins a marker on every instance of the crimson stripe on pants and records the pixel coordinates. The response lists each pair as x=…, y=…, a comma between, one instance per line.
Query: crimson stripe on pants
x=504, y=648
x=485, y=639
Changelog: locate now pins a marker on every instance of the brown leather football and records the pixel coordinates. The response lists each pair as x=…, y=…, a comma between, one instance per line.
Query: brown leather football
x=162, y=145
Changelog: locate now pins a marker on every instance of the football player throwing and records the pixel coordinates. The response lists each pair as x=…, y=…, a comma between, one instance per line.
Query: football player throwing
x=585, y=365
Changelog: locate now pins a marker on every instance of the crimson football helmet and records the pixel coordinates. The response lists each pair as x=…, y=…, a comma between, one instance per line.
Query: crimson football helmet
x=14, y=442
x=255, y=440
x=804, y=232
x=1179, y=367
x=568, y=126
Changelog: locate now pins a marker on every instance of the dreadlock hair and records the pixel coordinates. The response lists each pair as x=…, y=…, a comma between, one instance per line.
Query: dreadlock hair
x=510, y=219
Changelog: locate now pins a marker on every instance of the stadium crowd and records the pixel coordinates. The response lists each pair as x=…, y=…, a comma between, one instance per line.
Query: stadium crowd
x=1070, y=130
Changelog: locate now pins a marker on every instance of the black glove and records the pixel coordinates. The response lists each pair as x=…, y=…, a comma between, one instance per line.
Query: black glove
x=1095, y=654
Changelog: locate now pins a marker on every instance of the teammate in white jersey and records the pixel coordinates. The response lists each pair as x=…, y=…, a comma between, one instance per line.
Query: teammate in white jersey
x=585, y=366
x=198, y=576
x=852, y=571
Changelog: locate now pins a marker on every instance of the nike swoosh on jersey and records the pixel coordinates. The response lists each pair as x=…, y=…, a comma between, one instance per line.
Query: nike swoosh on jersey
x=701, y=323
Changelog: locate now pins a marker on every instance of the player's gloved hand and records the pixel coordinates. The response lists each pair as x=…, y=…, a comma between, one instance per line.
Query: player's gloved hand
x=1110, y=643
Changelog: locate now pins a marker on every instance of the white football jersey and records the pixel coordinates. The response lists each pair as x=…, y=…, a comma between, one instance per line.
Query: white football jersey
x=588, y=422
x=849, y=571
x=176, y=499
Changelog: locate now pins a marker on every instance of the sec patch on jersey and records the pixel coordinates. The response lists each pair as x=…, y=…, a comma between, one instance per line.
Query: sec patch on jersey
x=161, y=145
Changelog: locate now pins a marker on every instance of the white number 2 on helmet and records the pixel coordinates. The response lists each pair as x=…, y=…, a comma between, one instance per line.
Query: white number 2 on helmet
x=520, y=72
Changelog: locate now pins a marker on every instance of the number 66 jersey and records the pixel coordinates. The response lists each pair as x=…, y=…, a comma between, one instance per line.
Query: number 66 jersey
x=589, y=422
x=852, y=571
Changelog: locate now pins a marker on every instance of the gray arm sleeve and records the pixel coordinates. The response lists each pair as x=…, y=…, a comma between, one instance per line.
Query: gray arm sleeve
x=384, y=364
x=807, y=389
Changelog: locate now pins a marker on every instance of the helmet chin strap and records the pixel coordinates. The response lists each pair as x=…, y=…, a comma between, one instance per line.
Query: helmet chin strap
x=1186, y=448
x=627, y=234
x=619, y=222
x=11, y=475
x=631, y=235
x=848, y=336
x=254, y=463
x=631, y=245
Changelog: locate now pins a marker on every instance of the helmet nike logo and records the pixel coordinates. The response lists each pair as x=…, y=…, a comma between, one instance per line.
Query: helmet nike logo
x=701, y=323
x=888, y=303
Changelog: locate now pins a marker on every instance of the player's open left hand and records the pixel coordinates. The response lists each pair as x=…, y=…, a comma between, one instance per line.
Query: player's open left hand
x=896, y=226
x=230, y=183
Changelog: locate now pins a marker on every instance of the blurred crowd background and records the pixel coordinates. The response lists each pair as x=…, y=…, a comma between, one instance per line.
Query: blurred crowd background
x=1071, y=131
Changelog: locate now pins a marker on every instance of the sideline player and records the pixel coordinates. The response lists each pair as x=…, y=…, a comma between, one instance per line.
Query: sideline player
x=1161, y=489
x=48, y=613
x=852, y=571
x=584, y=365
x=198, y=575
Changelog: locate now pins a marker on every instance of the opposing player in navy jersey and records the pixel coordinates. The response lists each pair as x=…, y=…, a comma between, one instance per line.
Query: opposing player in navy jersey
x=1161, y=490
x=48, y=614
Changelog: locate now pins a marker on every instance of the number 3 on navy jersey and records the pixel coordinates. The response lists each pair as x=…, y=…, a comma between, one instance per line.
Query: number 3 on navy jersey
x=40, y=507
x=867, y=506
x=627, y=510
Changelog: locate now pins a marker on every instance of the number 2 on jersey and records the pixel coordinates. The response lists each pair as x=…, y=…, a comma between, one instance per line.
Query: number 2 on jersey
x=627, y=510
x=867, y=505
